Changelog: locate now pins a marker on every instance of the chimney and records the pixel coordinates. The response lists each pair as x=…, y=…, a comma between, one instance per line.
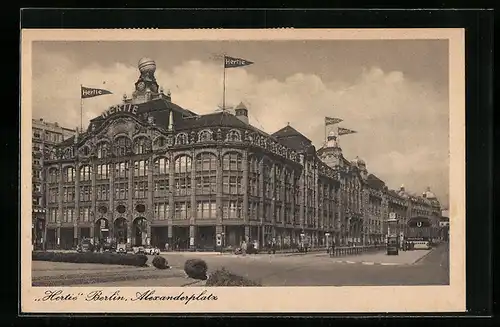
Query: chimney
x=171, y=120
x=241, y=112
x=76, y=135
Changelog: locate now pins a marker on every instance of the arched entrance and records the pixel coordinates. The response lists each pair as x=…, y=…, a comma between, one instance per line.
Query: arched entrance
x=101, y=230
x=120, y=230
x=139, y=231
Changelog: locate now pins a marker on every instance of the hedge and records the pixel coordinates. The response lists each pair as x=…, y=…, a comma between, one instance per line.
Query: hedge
x=196, y=268
x=160, y=262
x=91, y=257
x=223, y=277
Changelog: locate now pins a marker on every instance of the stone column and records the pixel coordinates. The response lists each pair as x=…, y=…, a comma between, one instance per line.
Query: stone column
x=77, y=202
x=260, y=234
x=244, y=161
x=340, y=209
x=273, y=200
x=59, y=207
x=111, y=210
x=293, y=189
x=318, y=219
x=130, y=209
x=302, y=196
x=93, y=195
x=192, y=235
x=171, y=202
x=58, y=237
x=148, y=232
x=282, y=197
x=247, y=233
x=151, y=186
x=192, y=220
x=150, y=202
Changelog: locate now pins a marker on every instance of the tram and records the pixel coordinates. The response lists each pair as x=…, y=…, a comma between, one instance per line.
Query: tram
x=420, y=233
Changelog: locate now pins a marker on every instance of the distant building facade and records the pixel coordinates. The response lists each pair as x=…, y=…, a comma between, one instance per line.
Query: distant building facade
x=45, y=136
x=148, y=171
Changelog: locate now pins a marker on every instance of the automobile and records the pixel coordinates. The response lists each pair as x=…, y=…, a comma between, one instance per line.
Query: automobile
x=121, y=248
x=106, y=247
x=85, y=245
x=151, y=250
x=421, y=245
x=138, y=250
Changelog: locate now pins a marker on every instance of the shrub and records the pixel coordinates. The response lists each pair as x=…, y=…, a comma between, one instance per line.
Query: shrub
x=160, y=262
x=196, y=268
x=91, y=257
x=223, y=277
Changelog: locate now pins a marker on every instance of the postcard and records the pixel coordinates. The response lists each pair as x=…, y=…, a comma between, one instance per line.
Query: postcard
x=220, y=171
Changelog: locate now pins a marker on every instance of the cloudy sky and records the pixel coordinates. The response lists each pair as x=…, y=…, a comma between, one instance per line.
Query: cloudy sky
x=394, y=93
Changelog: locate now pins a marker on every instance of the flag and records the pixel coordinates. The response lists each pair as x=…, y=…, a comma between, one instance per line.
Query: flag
x=332, y=121
x=87, y=92
x=344, y=131
x=230, y=62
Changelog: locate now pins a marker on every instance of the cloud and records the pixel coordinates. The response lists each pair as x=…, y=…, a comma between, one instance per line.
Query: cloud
x=402, y=124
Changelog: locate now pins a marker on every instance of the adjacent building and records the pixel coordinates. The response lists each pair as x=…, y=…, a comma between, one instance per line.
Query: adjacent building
x=148, y=171
x=45, y=136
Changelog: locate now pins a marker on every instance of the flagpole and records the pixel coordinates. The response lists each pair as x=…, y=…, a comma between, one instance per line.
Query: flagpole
x=326, y=136
x=81, y=109
x=224, y=84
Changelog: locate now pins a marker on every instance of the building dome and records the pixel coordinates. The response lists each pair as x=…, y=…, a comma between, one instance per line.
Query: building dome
x=332, y=140
x=428, y=194
x=146, y=65
x=358, y=162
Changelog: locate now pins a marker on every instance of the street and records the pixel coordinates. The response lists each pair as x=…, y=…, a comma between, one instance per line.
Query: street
x=321, y=270
x=317, y=269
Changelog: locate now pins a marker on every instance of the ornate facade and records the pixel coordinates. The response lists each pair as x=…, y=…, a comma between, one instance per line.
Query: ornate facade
x=149, y=171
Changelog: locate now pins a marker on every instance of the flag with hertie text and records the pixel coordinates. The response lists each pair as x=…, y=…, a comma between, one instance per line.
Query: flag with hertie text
x=231, y=62
x=344, y=131
x=88, y=92
x=332, y=120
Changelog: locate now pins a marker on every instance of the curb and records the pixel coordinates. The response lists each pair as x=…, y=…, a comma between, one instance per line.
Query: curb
x=422, y=257
x=200, y=282
x=371, y=263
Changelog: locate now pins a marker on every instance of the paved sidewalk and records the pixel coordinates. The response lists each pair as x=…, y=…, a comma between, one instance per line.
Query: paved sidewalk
x=381, y=258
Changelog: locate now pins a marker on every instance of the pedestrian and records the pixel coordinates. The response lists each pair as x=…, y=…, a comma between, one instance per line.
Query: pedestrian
x=333, y=247
x=244, y=247
x=166, y=246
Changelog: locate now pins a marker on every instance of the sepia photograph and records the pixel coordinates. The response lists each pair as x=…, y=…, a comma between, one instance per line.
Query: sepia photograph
x=180, y=163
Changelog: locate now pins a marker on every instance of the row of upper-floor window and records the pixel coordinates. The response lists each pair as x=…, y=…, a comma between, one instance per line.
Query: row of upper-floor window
x=182, y=164
x=47, y=136
x=122, y=144
x=161, y=166
x=231, y=184
x=182, y=210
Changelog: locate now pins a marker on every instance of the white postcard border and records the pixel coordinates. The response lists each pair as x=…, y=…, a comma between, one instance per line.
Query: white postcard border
x=265, y=299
